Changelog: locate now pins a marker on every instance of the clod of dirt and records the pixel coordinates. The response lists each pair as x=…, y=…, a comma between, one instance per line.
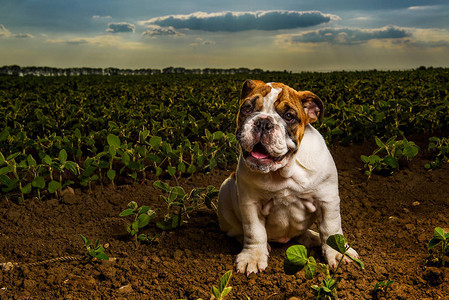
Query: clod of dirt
x=434, y=276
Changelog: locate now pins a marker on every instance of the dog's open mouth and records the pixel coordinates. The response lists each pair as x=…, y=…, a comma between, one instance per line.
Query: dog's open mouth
x=259, y=153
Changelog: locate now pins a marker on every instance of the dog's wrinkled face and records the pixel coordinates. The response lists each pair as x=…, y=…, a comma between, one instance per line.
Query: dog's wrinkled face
x=271, y=123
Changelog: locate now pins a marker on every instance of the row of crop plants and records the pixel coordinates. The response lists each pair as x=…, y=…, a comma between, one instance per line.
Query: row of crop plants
x=79, y=131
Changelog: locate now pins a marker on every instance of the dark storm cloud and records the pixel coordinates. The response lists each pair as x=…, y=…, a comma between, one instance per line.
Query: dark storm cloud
x=241, y=21
x=349, y=35
x=120, y=27
x=155, y=30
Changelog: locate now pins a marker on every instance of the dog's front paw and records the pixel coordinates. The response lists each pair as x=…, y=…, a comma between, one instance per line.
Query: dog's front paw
x=333, y=257
x=252, y=260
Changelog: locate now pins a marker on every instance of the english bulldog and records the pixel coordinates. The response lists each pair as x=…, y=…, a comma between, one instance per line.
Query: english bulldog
x=285, y=178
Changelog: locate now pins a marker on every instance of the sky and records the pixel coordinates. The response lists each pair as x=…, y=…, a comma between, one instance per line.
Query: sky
x=293, y=35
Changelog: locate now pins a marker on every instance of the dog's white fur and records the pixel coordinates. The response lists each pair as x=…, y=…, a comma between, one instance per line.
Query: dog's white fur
x=258, y=207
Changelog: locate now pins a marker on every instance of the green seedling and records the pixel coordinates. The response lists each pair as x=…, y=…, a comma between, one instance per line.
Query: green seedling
x=142, y=217
x=223, y=289
x=38, y=179
x=298, y=260
x=393, y=151
x=58, y=165
x=438, y=256
x=180, y=204
x=94, y=250
x=13, y=168
x=382, y=287
x=441, y=149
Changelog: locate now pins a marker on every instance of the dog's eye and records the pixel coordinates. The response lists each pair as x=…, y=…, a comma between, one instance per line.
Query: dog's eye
x=289, y=117
x=246, y=108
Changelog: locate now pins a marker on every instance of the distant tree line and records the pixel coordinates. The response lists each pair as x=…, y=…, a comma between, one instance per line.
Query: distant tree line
x=15, y=70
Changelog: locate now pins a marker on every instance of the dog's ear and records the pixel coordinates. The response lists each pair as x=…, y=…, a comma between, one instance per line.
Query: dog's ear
x=313, y=106
x=249, y=86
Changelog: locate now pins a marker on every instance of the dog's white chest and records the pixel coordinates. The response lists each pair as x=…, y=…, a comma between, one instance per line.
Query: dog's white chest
x=286, y=214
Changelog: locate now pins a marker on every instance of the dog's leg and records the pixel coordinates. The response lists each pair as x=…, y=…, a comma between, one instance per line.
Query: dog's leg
x=330, y=224
x=254, y=256
x=228, y=209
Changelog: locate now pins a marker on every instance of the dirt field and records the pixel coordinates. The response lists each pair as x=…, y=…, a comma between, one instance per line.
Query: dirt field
x=389, y=219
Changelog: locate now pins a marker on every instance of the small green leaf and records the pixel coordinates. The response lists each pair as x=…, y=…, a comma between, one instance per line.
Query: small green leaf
x=62, y=156
x=310, y=268
x=126, y=159
x=410, y=151
x=113, y=140
x=12, y=156
x=224, y=281
x=47, y=159
x=155, y=142
x=217, y=135
x=182, y=167
x=215, y=292
x=38, y=182
x=356, y=260
x=161, y=185
x=297, y=254
x=102, y=256
x=176, y=192
x=84, y=239
x=391, y=161
x=226, y=291
x=111, y=174
x=337, y=242
x=26, y=189
x=438, y=233
x=158, y=171
x=6, y=170
x=143, y=209
x=53, y=186
x=31, y=161
x=132, y=204
x=127, y=212
x=379, y=142
x=143, y=220
x=171, y=170
x=72, y=166
x=191, y=169
x=433, y=242
x=112, y=151
x=364, y=158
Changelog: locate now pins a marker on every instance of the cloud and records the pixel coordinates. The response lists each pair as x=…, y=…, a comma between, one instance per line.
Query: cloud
x=200, y=41
x=7, y=34
x=423, y=7
x=241, y=21
x=104, y=41
x=348, y=35
x=4, y=32
x=23, y=36
x=97, y=17
x=154, y=30
x=120, y=27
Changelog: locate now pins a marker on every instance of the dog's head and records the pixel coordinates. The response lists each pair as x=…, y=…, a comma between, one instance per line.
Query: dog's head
x=271, y=123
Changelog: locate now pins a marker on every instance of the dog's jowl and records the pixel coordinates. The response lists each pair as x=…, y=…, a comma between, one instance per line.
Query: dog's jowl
x=285, y=178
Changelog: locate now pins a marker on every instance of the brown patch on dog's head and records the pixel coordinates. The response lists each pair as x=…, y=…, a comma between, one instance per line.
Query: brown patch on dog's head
x=251, y=98
x=289, y=107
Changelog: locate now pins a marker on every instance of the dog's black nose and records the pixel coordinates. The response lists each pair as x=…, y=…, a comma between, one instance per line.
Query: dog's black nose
x=263, y=124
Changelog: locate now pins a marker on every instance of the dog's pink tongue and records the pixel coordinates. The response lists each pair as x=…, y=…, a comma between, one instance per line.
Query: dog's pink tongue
x=258, y=155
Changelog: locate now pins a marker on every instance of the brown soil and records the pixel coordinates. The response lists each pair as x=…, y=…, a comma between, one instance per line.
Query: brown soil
x=389, y=219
